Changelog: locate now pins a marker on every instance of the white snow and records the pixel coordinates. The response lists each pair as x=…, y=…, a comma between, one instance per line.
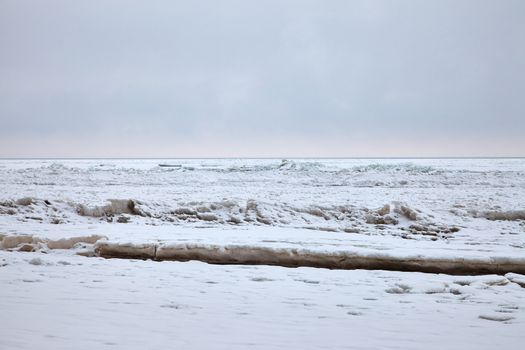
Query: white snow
x=426, y=209
x=71, y=302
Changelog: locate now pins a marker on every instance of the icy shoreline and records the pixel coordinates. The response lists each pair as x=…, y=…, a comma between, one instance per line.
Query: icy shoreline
x=59, y=218
x=278, y=247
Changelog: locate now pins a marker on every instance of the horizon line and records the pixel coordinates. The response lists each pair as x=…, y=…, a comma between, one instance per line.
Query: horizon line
x=271, y=157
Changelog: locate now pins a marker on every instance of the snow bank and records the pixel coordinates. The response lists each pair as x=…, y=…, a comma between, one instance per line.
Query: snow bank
x=10, y=242
x=68, y=243
x=510, y=215
x=126, y=250
x=290, y=257
x=31, y=243
x=116, y=206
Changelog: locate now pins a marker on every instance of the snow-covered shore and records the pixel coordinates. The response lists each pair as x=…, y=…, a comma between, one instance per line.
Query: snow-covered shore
x=433, y=212
x=63, y=301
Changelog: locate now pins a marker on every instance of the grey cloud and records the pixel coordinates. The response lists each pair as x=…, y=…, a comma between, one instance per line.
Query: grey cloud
x=239, y=70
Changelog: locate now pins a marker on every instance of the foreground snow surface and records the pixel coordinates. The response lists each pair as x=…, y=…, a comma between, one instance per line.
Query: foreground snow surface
x=63, y=301
x=51, y=298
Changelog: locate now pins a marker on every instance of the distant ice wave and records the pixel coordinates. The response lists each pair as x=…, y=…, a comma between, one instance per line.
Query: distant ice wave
x=254, y=165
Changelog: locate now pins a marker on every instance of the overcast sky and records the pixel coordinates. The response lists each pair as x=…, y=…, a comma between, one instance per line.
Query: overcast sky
x=262, y=78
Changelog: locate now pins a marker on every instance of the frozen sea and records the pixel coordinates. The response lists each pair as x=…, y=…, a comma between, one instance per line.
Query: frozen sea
x=57, y=293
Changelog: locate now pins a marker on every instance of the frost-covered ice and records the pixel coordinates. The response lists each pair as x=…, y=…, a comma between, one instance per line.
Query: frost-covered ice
x=431, y=195
x=467, y=207
x=456, y=209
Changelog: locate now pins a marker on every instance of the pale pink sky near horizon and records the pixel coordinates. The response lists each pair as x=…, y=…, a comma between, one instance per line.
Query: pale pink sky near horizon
x=388, y=147
x=246, y=78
